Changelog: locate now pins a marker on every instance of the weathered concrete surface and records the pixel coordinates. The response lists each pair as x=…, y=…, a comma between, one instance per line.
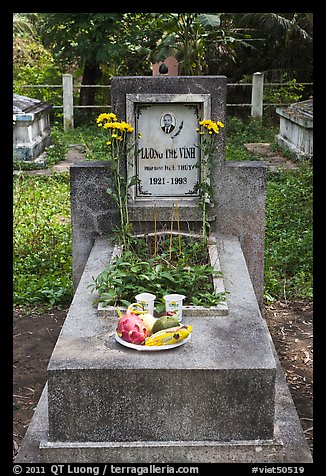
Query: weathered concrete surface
x=213, y=85
x=296, y=128
x=92, y=212
x=31, y=131
x=37, y=448
x=227, y=369
x=223, y=349
x=239, y=211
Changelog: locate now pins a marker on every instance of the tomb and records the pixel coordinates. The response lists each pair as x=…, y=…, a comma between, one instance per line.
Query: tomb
x=222, y=396
x=31, y=131
x=296, y=128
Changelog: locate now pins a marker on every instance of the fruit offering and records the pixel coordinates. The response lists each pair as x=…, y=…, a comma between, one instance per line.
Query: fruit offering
x=139, y=327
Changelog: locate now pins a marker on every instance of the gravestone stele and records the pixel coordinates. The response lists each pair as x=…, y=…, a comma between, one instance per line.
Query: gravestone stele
x=167, y=160
x=166, y=112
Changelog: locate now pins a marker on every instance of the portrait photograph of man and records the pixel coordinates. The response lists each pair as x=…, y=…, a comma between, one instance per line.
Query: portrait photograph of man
x=168, y=122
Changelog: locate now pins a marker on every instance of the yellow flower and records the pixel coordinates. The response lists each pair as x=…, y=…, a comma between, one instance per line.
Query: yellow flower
x=111, y=125
x=124, y=126
x=211, y=126
x=108, y=142
x=106, y=117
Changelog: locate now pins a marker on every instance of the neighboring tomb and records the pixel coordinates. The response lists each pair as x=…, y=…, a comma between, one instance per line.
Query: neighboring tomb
x=296, y=128
x=31, y=131
x=169, y=67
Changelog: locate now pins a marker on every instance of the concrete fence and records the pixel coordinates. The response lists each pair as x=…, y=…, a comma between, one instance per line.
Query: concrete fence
x=257, y=86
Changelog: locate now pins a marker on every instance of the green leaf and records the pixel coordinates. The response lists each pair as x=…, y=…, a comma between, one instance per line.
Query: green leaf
x=209, y=20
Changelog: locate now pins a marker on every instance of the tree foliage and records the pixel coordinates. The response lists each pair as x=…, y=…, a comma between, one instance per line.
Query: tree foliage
x=98, y=42
x=283, y=44
x=198, y=40
x=32, y=62
x=97, y=46
x=23, y=24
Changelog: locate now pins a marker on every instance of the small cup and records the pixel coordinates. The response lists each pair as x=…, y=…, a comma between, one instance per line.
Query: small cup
x=173, y=305
x=147, y=301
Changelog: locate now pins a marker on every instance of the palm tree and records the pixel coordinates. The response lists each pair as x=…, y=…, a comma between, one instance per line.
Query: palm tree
x=287, y=45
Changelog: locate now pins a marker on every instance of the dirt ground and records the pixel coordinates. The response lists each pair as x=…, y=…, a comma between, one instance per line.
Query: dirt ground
x=34, y=337
x=291, y=328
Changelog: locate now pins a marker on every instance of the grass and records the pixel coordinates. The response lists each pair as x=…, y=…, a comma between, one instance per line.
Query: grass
x=288, y=238
x=288, y=234
x=42, y=231
x=42, y=241
x=240, y=132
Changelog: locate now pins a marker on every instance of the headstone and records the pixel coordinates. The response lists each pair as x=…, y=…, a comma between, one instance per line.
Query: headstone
x=31, y=131
x=168, y=156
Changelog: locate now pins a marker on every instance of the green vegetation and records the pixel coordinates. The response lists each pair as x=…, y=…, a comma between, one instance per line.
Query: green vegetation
x=288, y=240
x=288, y=234
x=42, y=240
x=180, y=266
x=42, y=232
x=240, y=132
x=96, y=46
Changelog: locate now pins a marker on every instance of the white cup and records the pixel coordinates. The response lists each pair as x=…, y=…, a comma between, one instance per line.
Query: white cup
x=173, y=305
x=146, y=300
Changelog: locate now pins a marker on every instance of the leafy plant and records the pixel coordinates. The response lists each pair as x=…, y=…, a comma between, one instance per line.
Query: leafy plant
x=185, y=273
x=42, y=240
x=287, y=94
x=288, y=245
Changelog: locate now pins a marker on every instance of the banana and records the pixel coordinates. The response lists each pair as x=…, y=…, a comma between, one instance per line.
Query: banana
x=169, y=336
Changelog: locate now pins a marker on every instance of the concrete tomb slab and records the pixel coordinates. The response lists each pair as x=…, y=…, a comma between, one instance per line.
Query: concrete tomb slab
x=296, y=128
x=105, y=401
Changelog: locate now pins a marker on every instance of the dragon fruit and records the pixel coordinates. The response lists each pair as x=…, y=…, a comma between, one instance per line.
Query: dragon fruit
x=132, y=329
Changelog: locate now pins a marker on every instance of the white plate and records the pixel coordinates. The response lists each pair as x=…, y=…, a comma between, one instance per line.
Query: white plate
x=150, y=347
